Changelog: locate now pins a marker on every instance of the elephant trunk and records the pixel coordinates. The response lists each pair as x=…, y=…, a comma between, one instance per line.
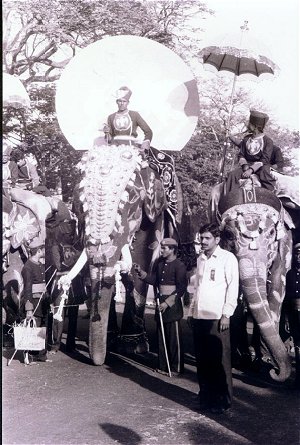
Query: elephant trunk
x=254, y=289
x=101, y=299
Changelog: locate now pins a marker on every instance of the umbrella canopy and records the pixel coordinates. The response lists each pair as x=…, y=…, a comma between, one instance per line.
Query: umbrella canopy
x=14, y=93
x=237, y=61
x=241, y=59
x=164, y=91
x=240, y=54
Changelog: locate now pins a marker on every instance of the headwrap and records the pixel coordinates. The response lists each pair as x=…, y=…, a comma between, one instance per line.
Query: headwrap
x=123, y=93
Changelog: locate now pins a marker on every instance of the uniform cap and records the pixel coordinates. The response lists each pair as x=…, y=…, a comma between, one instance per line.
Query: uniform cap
x=123, y=93
x=38, y=241
x=169, y=242
x=6, y=149
x=258, y=118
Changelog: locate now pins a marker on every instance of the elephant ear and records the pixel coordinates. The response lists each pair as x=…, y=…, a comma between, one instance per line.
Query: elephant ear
x=155, y=199
x=179, y=197
x=23, y=224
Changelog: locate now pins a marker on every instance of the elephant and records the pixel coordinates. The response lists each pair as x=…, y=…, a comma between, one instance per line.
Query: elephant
x=23, y=221
x=258, y=232
x=126, y=214
x=19, y=226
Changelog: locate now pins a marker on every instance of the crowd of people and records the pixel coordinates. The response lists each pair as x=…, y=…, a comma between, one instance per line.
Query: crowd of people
x=215, y=279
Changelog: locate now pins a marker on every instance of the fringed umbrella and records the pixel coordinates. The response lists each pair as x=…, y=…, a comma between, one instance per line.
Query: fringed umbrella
x=14, y=93
x=238, y=60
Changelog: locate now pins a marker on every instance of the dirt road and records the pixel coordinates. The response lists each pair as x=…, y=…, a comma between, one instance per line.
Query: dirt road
x=70, y=401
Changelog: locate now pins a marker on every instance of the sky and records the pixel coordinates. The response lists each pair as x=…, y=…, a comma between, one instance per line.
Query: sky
x=274, y=26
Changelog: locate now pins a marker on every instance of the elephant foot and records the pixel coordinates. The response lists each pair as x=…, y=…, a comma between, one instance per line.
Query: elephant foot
x=142, y=348
x=134, y=344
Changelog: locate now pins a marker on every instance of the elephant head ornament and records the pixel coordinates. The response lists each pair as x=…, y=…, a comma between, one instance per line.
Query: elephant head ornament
x=255, y=223
x=118, y=195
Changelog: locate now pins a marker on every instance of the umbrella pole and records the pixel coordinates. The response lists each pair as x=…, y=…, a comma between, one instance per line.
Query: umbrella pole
x=226, y=143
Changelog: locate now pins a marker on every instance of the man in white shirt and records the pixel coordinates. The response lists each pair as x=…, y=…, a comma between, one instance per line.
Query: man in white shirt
x=213, y=303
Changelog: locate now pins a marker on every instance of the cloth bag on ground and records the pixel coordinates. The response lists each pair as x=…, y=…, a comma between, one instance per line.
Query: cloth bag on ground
x=28, y=337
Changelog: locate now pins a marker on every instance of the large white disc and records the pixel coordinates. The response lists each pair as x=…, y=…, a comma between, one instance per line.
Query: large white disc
x=164, y=91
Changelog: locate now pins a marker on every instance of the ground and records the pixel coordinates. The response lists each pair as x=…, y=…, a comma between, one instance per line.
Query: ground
x=70, y=401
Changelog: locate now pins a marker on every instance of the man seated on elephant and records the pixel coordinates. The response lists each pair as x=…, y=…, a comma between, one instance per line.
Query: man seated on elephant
x=256, y=150
x=28, y=177
x=9, y=170
x=121, y=127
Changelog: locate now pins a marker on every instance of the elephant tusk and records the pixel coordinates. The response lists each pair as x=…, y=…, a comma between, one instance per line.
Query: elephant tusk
x=117, y=269
x=64, y=297
x=126, y=260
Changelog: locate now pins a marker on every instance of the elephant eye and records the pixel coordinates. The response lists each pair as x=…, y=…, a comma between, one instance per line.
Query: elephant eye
x=126, y=155
x=271, y=233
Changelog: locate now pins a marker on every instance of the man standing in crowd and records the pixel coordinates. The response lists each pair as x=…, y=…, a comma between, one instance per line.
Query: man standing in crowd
x=35, y=297
x=170, y=280
x=292, y=303
x=213, y=303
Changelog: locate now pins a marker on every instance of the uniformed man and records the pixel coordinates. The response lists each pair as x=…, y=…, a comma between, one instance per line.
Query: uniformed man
x=170, y=280
x=28, y=177
x=256, y=150
x=122, y=125
x=35, y=298
x=9, y=170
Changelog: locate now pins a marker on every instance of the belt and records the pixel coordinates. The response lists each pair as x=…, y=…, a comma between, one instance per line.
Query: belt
x=295, y=303
x=167, y=289
x=38, y=288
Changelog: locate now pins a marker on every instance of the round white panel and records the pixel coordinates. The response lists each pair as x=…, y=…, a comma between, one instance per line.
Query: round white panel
x=163, y=89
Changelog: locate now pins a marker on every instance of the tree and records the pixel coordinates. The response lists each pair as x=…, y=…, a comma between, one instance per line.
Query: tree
x=41, y=36
x=198, y=164
x=39, y=39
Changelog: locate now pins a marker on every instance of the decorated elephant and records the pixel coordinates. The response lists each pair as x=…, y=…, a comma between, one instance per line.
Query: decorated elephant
x=125, y=207
x=21, y=225
x=257, y=230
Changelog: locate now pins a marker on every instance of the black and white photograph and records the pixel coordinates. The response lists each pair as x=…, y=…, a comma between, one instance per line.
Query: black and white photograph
x=151, y=222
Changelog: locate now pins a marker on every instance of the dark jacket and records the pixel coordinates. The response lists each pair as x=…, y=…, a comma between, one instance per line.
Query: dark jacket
x=170, y=273
x=264, y=156
x=136, y=121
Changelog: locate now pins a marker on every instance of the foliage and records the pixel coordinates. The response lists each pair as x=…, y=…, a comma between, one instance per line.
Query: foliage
x=198, y=164
x=41, y=36
x=39, y=39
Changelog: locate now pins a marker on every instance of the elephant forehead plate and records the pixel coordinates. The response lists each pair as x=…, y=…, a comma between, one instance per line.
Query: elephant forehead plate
x=164, y=91
x=103, y=207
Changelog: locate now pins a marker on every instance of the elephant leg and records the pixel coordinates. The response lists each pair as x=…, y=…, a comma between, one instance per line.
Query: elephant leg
x=112, y=329
x=133, y=326
x=101, y=299
x=72, y=328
